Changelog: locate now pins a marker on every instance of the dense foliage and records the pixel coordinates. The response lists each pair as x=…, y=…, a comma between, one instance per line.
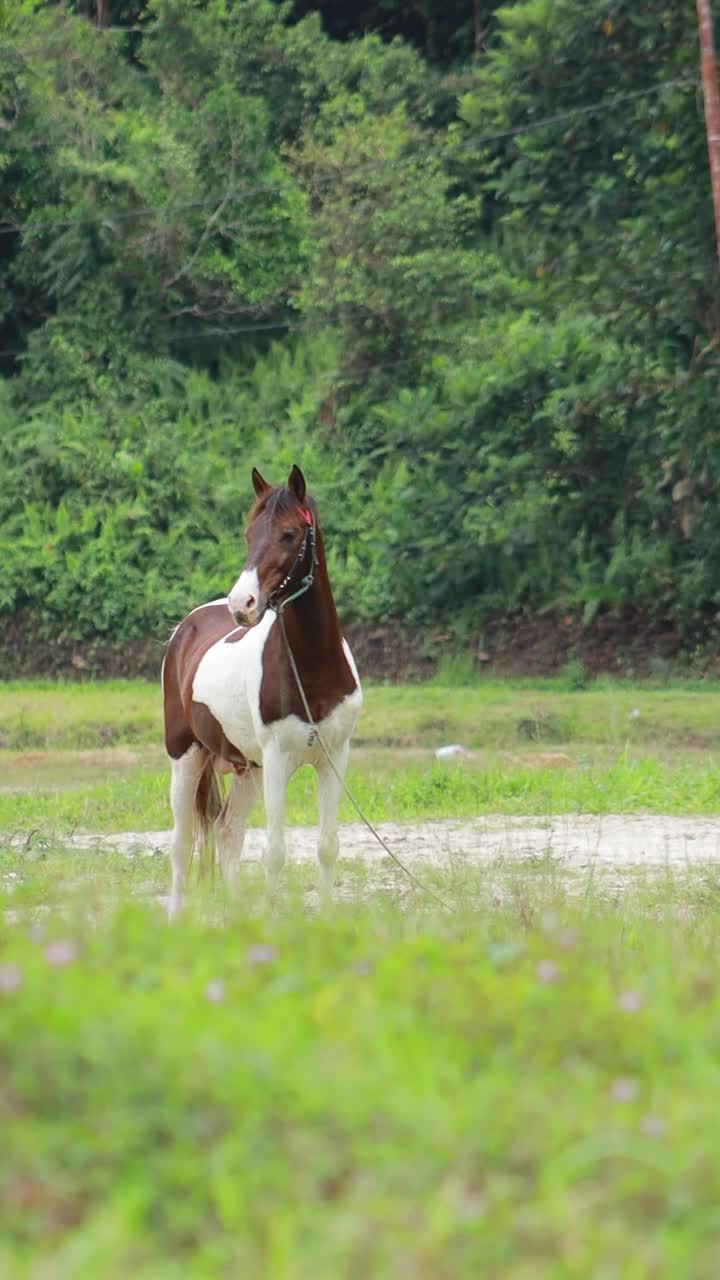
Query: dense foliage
x=462, y=271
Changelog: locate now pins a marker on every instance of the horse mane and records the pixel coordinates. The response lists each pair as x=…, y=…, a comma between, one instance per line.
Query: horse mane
x=279, y=501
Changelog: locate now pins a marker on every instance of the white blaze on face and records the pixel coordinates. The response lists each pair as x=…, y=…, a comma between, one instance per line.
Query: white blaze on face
x=244, y=599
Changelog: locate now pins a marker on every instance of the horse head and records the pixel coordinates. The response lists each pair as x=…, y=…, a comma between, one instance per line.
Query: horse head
x=281, y=549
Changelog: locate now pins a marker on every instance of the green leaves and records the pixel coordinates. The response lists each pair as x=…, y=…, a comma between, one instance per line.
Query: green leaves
x=493, y=292
x=161, y=198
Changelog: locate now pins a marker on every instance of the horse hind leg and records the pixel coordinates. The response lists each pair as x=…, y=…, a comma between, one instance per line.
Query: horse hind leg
x=186, y=774
x=230, y=826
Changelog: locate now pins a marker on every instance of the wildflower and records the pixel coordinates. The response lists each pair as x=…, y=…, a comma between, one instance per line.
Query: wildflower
x=215, y=991
x=652, y=1126
x=623, y=1089
x=631, y=1001
x=261, y=953
x=61, y=952
x=546, y=971
x=10, y=978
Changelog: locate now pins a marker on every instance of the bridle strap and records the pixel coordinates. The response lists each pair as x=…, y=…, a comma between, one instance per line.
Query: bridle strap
x=274, y=601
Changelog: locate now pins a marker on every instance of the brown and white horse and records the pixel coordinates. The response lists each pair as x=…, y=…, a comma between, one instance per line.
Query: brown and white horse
x=231, y=699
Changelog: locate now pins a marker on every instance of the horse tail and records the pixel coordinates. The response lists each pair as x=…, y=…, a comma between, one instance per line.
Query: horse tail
x=208, y=807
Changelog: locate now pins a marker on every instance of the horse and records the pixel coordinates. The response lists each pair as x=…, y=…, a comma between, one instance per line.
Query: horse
x=232, y=703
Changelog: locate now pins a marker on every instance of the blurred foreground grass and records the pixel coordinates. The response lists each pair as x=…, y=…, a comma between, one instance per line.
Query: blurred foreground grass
x=520, y=1087
x=523, y=1087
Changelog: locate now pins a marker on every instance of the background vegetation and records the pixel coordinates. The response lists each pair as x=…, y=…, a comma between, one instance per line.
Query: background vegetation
x=456, y=260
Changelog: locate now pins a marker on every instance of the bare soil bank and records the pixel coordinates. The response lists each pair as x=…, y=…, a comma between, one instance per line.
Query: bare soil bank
x=630, y=644
x=578, y=845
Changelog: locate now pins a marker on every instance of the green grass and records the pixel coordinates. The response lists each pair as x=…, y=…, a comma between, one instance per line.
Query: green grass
x=35, y=715
x=139, y=801
x=521, y=1086
x=525, y=1090
x=90, y=756
x=487, y=714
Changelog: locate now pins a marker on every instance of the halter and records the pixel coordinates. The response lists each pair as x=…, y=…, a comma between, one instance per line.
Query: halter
x=274, y=602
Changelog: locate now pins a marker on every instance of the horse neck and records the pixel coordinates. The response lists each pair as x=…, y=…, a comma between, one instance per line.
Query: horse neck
x=311, y=620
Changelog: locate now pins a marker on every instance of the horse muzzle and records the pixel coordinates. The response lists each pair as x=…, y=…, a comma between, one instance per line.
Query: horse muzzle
x=246, y=602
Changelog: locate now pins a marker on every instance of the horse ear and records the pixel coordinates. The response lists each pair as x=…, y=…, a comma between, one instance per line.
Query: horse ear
x=296, y=484
x=259, y=485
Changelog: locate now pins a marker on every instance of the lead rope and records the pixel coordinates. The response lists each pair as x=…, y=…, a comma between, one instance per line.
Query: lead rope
x=423, y=887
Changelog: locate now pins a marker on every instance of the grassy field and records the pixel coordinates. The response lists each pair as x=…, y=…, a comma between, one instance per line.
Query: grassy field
x=524, y=1089
x=486, y=714
x=521, y=1086
x=90, y=757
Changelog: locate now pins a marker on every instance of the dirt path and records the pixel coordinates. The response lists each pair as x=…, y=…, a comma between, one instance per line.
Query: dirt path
x=577, y=843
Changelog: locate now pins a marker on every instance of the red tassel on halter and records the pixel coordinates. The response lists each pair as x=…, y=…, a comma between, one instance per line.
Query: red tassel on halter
x=306, y=515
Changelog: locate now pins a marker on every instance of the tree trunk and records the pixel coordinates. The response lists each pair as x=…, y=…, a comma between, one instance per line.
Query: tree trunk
x=479, y=31
x=712, y=105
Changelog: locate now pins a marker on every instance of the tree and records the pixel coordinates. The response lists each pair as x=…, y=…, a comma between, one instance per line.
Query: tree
x=156, y=202
x=584, y=128
x=390, y=269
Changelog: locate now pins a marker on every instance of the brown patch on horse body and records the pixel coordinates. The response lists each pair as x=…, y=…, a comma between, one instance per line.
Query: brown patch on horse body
x=311, y=621
x=324, y=671
x=187, y=721
x=210, y=733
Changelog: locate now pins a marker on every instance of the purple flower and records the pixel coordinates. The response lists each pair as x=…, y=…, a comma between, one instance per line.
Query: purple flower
x=61, y=952
x=10, y=978
x=547, y=971
x=261, y=953
x=652, y=1126
x=623, y=1089
x=631, y=1001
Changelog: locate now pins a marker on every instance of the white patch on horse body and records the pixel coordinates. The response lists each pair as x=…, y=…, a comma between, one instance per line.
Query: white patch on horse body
x=173, y=633
x=353, y=668
x=297, y=741
x=245, y=594
x=228, y=681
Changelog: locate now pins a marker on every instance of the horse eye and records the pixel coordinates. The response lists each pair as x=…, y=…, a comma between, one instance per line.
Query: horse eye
x=287, y=536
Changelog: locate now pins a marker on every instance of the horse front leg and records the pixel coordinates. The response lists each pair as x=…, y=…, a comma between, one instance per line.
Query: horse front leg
x=276, y=774
x=329, y=788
